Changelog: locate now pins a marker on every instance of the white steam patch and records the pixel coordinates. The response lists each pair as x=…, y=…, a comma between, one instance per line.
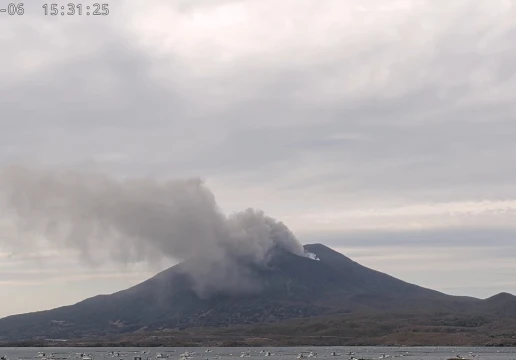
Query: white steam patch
x=142, y=221
x=311, y=256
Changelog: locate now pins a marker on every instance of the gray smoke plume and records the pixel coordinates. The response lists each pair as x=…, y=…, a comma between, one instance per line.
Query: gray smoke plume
x=142, y=220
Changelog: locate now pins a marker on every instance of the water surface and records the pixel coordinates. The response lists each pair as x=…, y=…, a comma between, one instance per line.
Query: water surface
x=267, y=353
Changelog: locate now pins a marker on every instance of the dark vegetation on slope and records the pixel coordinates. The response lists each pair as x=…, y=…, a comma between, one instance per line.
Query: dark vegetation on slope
x=302, y=301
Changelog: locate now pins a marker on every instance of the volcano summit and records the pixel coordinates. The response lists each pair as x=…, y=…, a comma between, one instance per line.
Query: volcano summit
x=289, y=286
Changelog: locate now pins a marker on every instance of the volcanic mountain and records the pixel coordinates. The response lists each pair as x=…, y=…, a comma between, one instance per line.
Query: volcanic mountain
x=290, y=287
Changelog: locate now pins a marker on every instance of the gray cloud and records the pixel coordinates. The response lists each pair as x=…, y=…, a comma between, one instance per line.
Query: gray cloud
x=426, y=89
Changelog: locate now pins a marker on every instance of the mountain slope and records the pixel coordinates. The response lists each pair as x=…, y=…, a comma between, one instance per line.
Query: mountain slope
x=291, y=287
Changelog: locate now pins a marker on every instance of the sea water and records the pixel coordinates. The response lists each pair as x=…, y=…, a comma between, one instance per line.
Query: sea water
x=267, y=353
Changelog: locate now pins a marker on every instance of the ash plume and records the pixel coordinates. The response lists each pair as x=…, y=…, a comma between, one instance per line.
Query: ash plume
x=142, y=220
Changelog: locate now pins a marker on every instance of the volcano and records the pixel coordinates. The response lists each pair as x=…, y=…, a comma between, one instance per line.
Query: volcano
x=288, y=287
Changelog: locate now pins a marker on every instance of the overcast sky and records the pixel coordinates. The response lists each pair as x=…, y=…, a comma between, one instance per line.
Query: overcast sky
x=383, y=128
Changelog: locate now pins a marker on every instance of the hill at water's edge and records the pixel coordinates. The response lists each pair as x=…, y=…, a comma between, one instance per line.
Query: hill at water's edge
x=301, y=301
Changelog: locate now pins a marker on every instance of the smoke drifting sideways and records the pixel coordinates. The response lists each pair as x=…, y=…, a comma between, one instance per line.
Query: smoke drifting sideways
x=142, y=220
